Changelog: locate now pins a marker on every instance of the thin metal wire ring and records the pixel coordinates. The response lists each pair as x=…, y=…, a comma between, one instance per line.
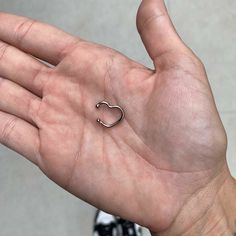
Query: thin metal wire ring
x=111, y=107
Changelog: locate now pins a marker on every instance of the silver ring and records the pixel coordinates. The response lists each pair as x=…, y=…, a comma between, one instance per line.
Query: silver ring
x=98, y=105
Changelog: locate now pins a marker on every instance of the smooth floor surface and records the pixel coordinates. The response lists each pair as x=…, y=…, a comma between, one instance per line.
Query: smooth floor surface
x=30, y=204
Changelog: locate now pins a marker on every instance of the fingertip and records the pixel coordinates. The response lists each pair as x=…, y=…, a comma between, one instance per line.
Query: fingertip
x=156, y=28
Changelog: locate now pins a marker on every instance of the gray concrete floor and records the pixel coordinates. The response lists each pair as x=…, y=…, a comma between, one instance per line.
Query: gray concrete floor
x=30, y=204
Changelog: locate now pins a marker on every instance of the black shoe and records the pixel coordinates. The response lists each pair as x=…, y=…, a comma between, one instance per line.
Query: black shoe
x=128, y=228
x=105, y=225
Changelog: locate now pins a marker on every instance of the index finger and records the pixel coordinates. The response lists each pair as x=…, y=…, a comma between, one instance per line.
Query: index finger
x=38, y=39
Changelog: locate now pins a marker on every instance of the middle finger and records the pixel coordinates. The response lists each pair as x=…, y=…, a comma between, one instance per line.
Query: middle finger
x=22, y=68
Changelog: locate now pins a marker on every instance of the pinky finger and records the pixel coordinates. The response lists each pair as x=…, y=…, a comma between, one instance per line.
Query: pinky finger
x=19, y=136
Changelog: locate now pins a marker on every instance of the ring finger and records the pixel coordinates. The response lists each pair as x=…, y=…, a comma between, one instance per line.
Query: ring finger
x=18, y=101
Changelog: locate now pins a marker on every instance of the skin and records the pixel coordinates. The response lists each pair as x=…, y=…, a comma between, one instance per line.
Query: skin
x=166, y=159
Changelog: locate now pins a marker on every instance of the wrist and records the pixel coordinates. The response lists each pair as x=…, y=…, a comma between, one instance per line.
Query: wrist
x=224, y=211
x=219, y=217
x=211, y=211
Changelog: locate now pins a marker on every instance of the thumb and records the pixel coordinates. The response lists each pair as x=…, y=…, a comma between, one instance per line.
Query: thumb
x=156, y=29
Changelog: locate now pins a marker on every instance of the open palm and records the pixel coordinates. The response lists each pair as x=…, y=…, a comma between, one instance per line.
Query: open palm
x=170, y=145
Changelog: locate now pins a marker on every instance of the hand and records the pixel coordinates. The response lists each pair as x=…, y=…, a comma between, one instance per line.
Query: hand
x=152, y=167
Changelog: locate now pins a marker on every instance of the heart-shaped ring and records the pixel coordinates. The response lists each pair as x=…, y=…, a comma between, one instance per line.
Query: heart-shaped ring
x=111, y=107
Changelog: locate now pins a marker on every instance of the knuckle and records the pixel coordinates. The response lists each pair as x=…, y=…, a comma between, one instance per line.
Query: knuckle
x=7, y=129
x=2, y=83
x=37, y=80
x=23, y=29
x=33, y=107
x=199, y=63
x=147, y=15
x=71, y=45
x=189, y=59
x=3, y=49
x=196, y=62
